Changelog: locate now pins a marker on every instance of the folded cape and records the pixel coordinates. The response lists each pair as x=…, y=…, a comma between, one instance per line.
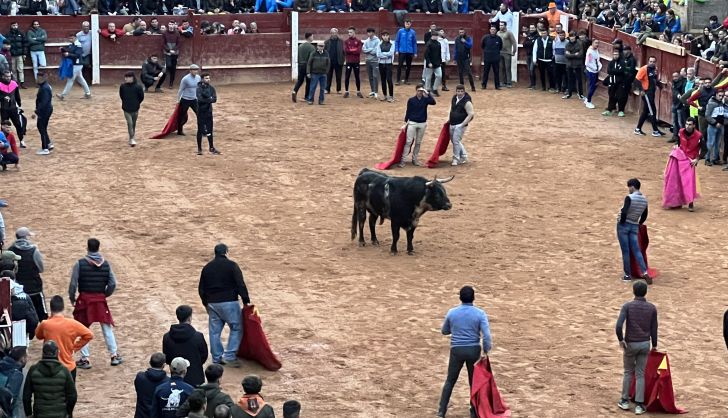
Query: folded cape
x=171, y=125
x=254, y=345
x=443, y=141
x=643, y=240
x=659, y=396
x=484, y=395
x=398, y=151
x=681, y=181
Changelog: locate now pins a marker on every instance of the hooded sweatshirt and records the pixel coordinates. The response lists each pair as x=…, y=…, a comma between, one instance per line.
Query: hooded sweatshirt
x=23, y=308
x=49, y=390
x=183, y=340
x=131, y=95
x=94, y=259
x=145, y=383
x=370, y=49
x=30, y=266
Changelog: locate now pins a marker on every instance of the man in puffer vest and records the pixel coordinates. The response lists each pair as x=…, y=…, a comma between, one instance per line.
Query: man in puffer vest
x=94, y=280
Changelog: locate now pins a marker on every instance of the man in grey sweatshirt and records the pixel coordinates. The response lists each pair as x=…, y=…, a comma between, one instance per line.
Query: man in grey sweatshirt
x=187, y=96
x=30, y=266
x=372, y=61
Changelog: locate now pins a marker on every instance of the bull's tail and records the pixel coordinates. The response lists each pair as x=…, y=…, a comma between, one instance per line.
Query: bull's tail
x=354, y=217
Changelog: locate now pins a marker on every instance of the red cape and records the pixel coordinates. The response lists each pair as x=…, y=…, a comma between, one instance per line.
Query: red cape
x=441, y=147
x=254, y=345
x=92, y=307
x=643, y=240
x=659, y=396
x=171, y=125
x=484, y=393
x=398, y=151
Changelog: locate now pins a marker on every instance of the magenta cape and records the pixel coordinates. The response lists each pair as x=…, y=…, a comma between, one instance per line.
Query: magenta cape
x=681, y=182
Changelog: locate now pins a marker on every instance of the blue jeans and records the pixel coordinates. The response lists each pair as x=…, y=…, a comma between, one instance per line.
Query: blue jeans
x=627, y=236
x=593, y=80
x=714, y=137
x=219, y=314
x=317, y=79
x=677, y=119
x=39, y=60
x=108, y=331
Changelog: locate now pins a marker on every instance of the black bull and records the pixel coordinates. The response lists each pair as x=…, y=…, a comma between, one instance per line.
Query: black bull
x=402, y=200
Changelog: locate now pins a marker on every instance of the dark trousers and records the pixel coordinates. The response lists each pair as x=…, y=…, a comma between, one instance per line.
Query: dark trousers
x=531, y=71
x=301, y=79
x=725, y=145
x=406, y=59
x=617, y=98
x=486, y=71
x=546, y=70
x=43, y=131
x=349, y=68
x=703, y=127
x=38, y=300
x=385, y=74
x=204, y=128
x=160, y=82
x=464, y=69
x=171, y=64
x=458, y=356
x=8, y=158
x=184, y=106
x=73, y=374
x=649, y=111
x=14, y=117
x=334, y=69
x=560, y=77
x=573, y=80
x=443, y=66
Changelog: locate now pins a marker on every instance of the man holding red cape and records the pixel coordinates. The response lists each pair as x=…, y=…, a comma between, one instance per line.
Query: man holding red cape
x=680, y=186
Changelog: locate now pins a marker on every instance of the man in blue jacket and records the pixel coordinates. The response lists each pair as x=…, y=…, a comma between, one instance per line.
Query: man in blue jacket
x=11, y=375
x=405, y=46
x=146, y=383
x=43, y=111
x=467, y=325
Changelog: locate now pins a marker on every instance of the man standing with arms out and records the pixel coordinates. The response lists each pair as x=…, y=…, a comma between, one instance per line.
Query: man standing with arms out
x=75, y=53
x=405, y=46
x=187, y=96
x=641, y=319
x=206, y=96
x=467, y=325
x=37, y=38
x=543, y=55
x=574, y=58
x=146, y=382
x=618, y=88
x=508, y=50
x=305, y=50
x=30, y=266
x=94, y=279
x=171, y=39
x=461, y=113
x=49, y=388
x=371, y=45
x=132, y=96
x=445, y=51
x=183, y=340
x=43, y=111
x=593, y=65
x=10, y=102
x=316, y=69
x=84, y=38
x=632, y=215
x=647, y=83
x=385, y=55
x=69, y=334
x=352, y=51
x=170, y=395
x=416, y=122
x=433, y=61
x=153, y=72
x=221, y=283
x=491, y=45
x=335, y=50
x=463, y=46
x=18, y=45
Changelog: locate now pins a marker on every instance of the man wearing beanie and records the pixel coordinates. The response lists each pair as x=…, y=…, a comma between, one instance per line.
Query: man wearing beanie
x=171, y=394
x=30, y=266
x=221, y=284
x=187, y=96
x=183, y=340
x=49, y=388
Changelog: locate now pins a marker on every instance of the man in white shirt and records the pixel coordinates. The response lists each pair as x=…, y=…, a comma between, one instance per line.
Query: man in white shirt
x=445, y=52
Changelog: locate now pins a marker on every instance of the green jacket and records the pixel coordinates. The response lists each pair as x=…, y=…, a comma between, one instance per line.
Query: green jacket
x=51, y=389
x=37, y=39
x=305, y=50
x=318, y=63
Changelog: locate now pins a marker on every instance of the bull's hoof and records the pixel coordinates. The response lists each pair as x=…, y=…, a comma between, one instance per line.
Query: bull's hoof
x=362, y=244
x=411, y=252
x=393, y=253
x=375, y=243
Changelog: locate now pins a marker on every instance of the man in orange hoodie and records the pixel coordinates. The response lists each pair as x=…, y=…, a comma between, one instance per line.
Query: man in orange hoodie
x=69, y=334
x=648, y=81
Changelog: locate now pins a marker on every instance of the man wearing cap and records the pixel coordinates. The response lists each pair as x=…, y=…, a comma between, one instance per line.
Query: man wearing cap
x=221, y=283
x=49, y=389
x=187, y=96
x=30, y=266
x=171, y=394
x=183, y=340
x=9, y=261
x=416, y=122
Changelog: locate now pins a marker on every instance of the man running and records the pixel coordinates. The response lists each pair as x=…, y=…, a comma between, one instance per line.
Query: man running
x=416, y=122
x=206, y=96
x=187, y=96
x=461, y=113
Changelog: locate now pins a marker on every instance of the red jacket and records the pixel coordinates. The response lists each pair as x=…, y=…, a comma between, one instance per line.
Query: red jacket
x=118, y=32
x=13, y=145
x=352, y=50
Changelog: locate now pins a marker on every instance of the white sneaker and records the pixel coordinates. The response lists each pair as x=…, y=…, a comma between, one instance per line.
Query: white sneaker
x=43, y=152
x=50, y=146
x=589, y=105
x=454, y=161
x=375, y=95
x=372, y=94
x=463, y=160
x=22, y=144
x=132, y=142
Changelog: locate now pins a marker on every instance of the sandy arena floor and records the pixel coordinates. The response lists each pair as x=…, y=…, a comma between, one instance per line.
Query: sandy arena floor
x=532, y=227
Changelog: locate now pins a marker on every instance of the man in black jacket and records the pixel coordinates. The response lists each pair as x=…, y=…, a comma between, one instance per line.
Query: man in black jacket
x=463, y=46
x=618, y=88
x=334, y=47
x=18, y=49
x=132, y=96
x=30, y=266
x=74, y=51
x=152, y=71
x=544, y=57
x=221, y=283
x=678, y=87
x=10, y=103
x=491, y=45
x=206, y=96
x=183, y=340
x=433, y=62
x=43, y=111
x=146, y=382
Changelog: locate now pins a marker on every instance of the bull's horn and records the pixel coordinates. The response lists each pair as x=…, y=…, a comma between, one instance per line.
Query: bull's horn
x=443, y=181
x=431, y=182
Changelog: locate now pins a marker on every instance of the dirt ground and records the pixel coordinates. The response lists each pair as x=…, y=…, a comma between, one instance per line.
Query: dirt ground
x=532, y=228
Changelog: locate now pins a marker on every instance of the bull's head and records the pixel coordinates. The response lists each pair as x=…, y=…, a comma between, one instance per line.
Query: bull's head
x=436, y=195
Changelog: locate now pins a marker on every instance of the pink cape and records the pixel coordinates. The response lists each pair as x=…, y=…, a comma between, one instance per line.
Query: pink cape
x=443, y=141
x=398, y=151
x=171, y=125
x=681, y=182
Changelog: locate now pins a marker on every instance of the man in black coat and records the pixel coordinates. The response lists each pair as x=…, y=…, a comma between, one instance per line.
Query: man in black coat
x=146, y=382
x=152, y=71
x=221, y=283
x=132, y=96
x=491, y=45
x=433, y=62
x=183, y=340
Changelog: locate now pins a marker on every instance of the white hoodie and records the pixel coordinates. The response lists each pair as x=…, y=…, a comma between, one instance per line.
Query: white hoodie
x=592, y=62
